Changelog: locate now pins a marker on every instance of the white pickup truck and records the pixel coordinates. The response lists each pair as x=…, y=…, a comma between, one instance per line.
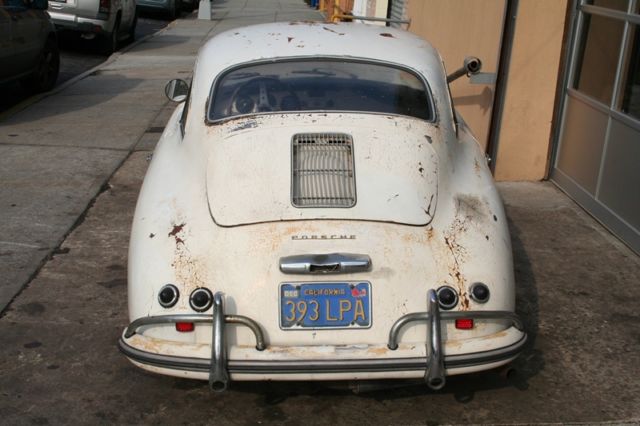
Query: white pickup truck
x=108, y=21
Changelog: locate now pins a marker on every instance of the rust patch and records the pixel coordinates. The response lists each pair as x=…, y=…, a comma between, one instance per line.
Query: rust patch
x=388, y=35
x=378, y=351
x=175, y=231
x=190, y=270
x=497, y=335
x=469, y=210
x=458, y=254
x=430, y=233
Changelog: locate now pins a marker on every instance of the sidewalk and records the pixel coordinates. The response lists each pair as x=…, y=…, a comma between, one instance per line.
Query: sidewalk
x=57, y=154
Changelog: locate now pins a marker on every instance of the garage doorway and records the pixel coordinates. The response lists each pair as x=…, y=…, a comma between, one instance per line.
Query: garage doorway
x=597, y=159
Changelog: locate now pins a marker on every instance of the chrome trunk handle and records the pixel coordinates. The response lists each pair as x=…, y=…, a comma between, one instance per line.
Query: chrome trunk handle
x=333, y=263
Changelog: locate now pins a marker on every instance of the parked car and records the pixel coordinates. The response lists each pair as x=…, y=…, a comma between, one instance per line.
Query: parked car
x=314, y=210
x=107, y=21
x=171, y=8
x=28, y=45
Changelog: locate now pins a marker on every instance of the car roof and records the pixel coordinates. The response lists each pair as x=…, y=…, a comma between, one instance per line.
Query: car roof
x=316, y=39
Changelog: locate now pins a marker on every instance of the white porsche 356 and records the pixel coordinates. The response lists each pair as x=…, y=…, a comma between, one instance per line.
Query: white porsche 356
x=315, y=210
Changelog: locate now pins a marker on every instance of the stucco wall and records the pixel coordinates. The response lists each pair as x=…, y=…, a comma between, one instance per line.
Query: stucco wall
x=460, y=28
x=525, y=132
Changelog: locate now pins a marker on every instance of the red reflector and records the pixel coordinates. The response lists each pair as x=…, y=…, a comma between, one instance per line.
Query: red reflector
x=184, y=326
x=464, y=324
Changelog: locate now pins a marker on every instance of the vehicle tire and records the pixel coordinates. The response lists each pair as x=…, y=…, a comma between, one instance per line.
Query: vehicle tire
x=109, y=42
x=44, y=77
x=190, y=6
x=132, y=30
x=174, y=10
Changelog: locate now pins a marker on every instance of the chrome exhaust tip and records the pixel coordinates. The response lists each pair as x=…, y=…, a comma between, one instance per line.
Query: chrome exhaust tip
x=218, y=385
x=436, y=383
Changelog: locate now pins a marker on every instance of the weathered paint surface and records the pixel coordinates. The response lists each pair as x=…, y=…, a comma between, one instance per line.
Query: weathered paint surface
x=217, y=202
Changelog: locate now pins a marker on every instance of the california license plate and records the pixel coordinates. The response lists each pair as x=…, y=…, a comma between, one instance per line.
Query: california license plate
x=325, y=305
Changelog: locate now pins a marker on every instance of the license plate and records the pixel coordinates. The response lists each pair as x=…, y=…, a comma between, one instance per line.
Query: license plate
x=325, y=305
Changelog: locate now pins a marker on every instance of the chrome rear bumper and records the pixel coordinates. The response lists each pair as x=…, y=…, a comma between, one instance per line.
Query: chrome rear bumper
x=219, y=367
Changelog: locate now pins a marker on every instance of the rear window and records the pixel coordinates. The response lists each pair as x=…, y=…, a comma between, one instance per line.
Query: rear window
x=319, y=85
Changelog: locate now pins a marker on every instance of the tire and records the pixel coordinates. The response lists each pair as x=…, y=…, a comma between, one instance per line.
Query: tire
x=109, y=42
x=44, y=77
x=174, y=10
x=132, y=30
x=190, y=6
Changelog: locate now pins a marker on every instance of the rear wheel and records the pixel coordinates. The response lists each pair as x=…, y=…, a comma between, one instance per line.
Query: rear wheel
x=190, y=6
x=46, y=74
x=174, y=10
x=109, y=43
x=132, y=30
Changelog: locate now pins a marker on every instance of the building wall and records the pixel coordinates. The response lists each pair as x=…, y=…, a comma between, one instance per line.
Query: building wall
x=525, y=135
x=461, y=28
x=458, y=28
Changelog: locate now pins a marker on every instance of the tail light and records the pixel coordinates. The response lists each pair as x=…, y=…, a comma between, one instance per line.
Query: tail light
x=185, y=327
x=105, y=6
x=479, y=292
x=447, y=297
x=464, y=323
x=201, y=299
x=168, y=296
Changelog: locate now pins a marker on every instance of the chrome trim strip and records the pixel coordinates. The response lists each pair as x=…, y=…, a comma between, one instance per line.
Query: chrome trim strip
x=321, y=366
x=172, y=319
x=218, y=375
x=333, y=263
x=424, y=316
x=434, y=375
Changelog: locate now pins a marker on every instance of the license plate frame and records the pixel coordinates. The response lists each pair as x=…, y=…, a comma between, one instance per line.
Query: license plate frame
x=326, y=300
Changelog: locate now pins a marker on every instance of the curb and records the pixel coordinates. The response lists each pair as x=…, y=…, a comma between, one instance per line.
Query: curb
x=73, y=80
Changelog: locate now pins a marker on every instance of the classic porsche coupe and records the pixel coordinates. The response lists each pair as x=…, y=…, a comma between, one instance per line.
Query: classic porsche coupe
x=316, y=210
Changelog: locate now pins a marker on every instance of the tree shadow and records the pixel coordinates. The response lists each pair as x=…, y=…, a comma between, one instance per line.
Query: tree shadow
x=96, y=89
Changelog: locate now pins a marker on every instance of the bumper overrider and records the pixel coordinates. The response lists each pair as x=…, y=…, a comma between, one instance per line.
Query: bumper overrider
x=219, y=368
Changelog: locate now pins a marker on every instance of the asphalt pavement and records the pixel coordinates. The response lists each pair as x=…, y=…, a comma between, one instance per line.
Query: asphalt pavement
x=71, y=166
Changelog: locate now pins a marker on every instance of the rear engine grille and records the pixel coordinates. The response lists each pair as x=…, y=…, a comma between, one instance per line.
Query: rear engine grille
x=322, y=172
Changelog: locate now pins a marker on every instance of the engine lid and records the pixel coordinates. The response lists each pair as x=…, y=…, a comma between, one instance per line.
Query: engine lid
x=266, y=171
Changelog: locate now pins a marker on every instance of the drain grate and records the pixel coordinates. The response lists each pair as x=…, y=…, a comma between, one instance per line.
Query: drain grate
x=323, y=170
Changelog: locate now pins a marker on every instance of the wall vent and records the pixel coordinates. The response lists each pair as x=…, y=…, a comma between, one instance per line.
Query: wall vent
x=322, y=171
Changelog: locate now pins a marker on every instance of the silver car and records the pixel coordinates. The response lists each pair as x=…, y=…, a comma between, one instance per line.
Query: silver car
x=28, y=45
x=107, y=21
